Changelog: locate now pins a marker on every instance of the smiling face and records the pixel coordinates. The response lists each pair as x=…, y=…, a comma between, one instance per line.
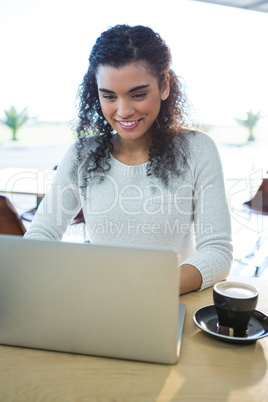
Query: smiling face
x=130, y=99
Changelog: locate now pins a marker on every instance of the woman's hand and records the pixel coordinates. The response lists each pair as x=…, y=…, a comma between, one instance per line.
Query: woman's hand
x=190, y=279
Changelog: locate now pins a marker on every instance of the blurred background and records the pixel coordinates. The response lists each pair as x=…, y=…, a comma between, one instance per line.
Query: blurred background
x=218, y=51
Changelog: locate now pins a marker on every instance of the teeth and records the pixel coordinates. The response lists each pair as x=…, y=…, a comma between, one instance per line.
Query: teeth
x=128, y=123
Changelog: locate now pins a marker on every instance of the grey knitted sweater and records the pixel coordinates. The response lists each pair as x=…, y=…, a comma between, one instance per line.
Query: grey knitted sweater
x=129, y=208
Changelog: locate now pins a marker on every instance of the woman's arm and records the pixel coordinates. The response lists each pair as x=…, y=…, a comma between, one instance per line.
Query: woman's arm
x=60, y=204
x=212, y=224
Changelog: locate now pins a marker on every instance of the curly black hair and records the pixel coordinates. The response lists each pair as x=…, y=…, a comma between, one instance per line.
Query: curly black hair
x=117, y=47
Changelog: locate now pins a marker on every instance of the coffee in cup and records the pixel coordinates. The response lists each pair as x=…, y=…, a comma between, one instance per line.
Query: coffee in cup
x=235, y=303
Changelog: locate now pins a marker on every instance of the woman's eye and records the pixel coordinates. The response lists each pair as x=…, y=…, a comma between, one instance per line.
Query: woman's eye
x=140, y=95
x=108, y=97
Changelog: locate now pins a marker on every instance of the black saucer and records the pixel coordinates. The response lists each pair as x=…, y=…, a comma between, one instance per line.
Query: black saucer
x=206, y=319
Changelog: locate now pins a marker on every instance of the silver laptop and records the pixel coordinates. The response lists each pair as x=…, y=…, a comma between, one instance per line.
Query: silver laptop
x=95, y=300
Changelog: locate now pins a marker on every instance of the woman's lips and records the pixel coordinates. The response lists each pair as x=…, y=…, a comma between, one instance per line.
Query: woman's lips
x=129, y=125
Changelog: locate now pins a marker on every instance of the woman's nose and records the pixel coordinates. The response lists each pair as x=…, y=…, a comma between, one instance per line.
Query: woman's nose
x=125, y=109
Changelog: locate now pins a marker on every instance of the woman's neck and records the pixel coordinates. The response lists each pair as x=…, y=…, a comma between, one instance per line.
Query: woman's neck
x=131, y=152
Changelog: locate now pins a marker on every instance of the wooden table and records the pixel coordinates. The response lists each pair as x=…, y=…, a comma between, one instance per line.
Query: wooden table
x=207, y=370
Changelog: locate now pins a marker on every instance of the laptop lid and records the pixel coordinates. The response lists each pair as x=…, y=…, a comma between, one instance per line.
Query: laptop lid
x=95, y=300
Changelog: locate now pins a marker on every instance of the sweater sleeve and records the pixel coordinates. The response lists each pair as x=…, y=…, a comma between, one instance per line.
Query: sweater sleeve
x=60, y=204
x=211, y=215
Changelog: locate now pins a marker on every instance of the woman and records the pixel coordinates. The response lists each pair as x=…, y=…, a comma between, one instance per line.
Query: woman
x=143, y=179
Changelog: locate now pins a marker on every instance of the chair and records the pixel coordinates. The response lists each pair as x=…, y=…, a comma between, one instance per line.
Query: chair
x=259, y=203
x=10, y=221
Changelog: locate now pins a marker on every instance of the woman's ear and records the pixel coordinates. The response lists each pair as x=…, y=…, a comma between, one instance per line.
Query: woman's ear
x=165, y=87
